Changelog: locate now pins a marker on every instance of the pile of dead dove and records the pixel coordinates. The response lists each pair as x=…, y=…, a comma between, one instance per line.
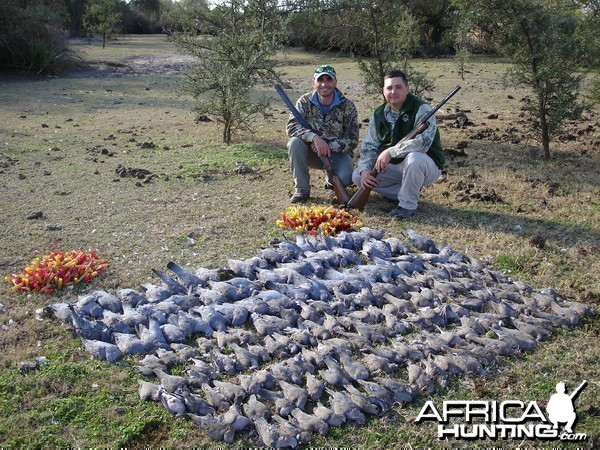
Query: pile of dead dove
x=313, y=333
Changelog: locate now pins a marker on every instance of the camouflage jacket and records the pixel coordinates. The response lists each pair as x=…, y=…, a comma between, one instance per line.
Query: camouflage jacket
x=339, y=127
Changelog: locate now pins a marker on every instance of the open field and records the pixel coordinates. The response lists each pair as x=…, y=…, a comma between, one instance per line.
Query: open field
x=63, y=142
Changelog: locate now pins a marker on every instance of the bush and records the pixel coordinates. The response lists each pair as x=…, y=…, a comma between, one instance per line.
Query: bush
x=30, y=43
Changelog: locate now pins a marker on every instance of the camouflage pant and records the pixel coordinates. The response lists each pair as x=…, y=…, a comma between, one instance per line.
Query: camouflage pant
x=302, y=157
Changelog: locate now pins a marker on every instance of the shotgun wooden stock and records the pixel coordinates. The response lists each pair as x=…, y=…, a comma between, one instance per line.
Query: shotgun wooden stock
x=361, y=196
x=338, y=187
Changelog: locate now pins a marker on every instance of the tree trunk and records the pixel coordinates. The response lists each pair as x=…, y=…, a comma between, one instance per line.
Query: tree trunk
x=227, y=133
x=76, y=9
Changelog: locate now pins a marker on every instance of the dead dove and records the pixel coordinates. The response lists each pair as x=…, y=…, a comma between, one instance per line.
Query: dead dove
x=108, y=301
x=401, y=393
x=283, y=406
x=215, y=398
x=420, y=242
x=253, y=408
x=295, y=394
x=195, y=404
x=214, y=427
x=245, y=358
x=271, y=435
x=235, y=419
x=130, y=344
x=377, y=394
x=314, y=387
x=362, y=401
x=172, y=285
x=170, y=383
x=266, y=325
x=342, y=405
x=88, y=329
x=310, y=423
x=334, y=375
x=148, y=391
x=328, y=416
x=289, y=427
x=189, y=280
x=353, y=368
x=152, y=335
x=174, y=404
x=234, y=393
x=101, y=350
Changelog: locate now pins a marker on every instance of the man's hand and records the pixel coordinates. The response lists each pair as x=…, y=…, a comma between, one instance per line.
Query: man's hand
x=367, y=180
x=320, y=146
x=382, y=161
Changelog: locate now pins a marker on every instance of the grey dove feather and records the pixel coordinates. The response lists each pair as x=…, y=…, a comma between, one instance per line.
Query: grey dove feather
x=328, y=416
x=294, y=393
x=195, y=404
x=362, y=401
x=130, y=344
x=283, y=406
x=289, y=427
x=234, y=393
x=87, y=305
x=87, y=329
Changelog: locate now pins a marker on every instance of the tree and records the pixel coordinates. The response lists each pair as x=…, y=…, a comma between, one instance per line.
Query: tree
x=461, y=38
x=102, y=16
x=538, y=36
x=383, y=35
x=232, y=56
x=435, y=19
x=76, y=12
x=588, y=38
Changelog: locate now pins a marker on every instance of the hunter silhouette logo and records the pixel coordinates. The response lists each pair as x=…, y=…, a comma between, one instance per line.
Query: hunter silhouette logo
x=513, y=419
x=560, y=407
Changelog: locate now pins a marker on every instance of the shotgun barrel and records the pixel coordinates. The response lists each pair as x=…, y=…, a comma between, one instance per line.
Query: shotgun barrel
x=361, y=196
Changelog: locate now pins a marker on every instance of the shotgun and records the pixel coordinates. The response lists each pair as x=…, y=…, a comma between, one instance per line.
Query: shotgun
x=338, y=187
x=359, y=199
x=575, y=393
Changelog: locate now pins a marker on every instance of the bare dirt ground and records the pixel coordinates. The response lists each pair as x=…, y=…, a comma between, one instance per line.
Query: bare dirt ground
x=161, y=63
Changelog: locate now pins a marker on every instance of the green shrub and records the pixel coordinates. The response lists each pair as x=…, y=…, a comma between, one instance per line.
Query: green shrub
x=30, y=41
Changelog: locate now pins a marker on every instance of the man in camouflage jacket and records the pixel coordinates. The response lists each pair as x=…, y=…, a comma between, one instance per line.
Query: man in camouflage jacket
x=333, y=132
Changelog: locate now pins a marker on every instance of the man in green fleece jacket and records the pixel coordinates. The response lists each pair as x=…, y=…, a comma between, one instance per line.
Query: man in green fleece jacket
x=404, y=167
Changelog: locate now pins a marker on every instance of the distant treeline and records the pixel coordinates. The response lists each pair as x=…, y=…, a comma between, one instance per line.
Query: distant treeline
x=312, y=24
x=438, y=26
